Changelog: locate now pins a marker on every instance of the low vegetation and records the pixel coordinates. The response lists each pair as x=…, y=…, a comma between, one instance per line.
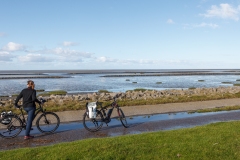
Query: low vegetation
x=80, y=105
x=57, y=92
x=192, y=88
x=140, y=89
x=215, y=141
x=217, y=109
x=103, y=91
x=227, y=82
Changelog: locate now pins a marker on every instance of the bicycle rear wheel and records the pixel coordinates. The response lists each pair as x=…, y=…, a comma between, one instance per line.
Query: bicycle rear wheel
x=10, y=126
x=48, y=122
x=122, y=118
x=93, y=124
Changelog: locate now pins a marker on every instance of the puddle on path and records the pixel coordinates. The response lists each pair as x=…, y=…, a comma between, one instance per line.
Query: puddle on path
x=143, y=119
x=136, y=119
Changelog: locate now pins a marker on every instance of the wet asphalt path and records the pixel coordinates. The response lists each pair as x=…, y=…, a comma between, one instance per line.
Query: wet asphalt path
x=75, y=131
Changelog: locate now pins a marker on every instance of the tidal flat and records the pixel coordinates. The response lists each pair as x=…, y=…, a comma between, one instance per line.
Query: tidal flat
x=113, y=80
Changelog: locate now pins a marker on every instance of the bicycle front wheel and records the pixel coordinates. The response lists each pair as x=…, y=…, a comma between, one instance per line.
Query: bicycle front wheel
x=10, y=126
x=122, y=118
x=48, y=122
x=93, y=124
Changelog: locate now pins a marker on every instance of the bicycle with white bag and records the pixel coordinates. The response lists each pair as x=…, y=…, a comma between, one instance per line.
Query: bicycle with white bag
x=94, y=118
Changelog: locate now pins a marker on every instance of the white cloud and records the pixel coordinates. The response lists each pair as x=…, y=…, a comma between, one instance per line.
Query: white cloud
x=206, y=25
x=34, y=58
x=112, y=60
x=126, y=61
x=68, y=52
x=224, y=11
x=55, y=55
x=67, y=43
x=170, y=21
x=5, y=56
x=11, y=46
x=201, y=25
x=102, y=59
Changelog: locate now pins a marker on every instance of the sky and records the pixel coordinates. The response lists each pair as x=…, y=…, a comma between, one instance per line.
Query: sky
x=119, y=34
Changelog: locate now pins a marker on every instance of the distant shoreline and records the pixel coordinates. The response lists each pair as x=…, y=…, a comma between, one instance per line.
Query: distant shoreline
x=103, y=71
x=31, y=74
x=15, y=74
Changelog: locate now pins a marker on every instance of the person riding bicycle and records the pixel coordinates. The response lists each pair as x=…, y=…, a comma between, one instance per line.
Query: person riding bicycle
x=29, y=98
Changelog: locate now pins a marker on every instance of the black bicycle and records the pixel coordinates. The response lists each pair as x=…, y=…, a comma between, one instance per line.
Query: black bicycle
x=93, y=121
x=12, y=124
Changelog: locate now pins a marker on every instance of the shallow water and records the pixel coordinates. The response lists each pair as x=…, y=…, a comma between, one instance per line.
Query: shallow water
x=95, y=82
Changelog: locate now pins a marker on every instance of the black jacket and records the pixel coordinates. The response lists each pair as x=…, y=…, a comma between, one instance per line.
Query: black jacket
x=29, y=98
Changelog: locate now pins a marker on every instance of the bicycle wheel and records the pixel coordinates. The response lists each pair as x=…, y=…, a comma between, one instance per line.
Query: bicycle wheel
x=10, y=126
x=48, y=122
x=122, y=118
x=93, y=124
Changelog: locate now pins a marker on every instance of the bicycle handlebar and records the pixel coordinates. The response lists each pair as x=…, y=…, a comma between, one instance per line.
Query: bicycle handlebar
x=42, y=100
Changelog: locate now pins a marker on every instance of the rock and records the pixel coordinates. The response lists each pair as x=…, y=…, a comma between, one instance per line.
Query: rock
x=132, y=95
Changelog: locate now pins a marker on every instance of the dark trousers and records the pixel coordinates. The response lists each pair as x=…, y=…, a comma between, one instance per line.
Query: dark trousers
x=31, y=112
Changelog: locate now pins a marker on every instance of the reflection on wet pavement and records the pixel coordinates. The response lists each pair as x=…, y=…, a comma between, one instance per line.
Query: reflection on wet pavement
x=142, y=119
x=68, y=132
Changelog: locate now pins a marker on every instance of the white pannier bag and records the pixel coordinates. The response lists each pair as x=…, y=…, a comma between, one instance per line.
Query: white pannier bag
x=92, y=107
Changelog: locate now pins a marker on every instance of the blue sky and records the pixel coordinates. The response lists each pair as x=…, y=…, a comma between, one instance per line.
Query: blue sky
x=119, y=34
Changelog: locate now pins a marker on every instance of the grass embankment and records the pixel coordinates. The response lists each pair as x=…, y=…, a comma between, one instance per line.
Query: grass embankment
x=217, y=109
x=214, y=141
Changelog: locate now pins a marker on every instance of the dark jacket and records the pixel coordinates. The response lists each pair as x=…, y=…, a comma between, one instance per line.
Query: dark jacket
x=29, y=98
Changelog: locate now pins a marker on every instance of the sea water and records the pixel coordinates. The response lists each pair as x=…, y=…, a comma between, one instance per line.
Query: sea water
x=93, y=82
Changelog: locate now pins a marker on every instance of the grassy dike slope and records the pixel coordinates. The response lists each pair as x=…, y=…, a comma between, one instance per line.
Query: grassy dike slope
x=214, y=141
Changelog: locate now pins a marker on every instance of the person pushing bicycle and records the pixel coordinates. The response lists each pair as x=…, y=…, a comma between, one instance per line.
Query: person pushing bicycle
x=29, y=98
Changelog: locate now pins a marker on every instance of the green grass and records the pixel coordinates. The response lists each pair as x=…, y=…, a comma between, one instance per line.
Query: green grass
x=103, y=91
x=192, y=88
x=140, y=89
x=58, y=92
x=40, y=90
x=215, y=141
x=227, y=82
x=217, y=109
x=236, y=84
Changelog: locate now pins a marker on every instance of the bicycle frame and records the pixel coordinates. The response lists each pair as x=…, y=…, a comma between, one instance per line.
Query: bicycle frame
x=38, y=110
x=107, y=116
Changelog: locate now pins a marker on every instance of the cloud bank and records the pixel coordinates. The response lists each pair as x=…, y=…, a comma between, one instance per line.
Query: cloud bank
x=11, y=46
x=224, y=11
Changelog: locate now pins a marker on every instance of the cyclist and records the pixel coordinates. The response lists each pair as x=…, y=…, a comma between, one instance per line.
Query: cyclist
x=29, y=98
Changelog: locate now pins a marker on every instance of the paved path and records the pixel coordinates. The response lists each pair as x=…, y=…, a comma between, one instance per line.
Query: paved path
x=118, y=129
x=69, y=116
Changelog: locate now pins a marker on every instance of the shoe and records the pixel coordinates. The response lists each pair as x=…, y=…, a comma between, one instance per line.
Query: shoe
x=28, y=137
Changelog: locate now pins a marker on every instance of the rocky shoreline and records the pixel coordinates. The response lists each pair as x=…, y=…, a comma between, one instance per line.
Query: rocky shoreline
x=133, y=95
